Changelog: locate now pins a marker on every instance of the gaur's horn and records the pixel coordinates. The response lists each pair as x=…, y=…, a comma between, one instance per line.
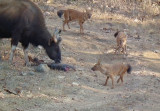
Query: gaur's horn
x=57, y=35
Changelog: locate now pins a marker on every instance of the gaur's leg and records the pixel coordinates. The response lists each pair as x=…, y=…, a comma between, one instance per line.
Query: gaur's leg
x=25, y=50
x=14, y=43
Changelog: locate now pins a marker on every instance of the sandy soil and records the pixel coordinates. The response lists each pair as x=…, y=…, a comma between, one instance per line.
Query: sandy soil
x=83, y=90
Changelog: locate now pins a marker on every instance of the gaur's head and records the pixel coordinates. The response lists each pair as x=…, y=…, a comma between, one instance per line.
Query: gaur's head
x=53, y=49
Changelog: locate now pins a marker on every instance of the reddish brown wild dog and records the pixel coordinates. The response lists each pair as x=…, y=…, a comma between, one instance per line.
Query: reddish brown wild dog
x=110, y=71
x=74, y=15
x=121, y=39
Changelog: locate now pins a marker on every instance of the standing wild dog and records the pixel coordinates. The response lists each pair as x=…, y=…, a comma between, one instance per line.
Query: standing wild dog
x=121, y=41
x=113, y=70
x=74, y=15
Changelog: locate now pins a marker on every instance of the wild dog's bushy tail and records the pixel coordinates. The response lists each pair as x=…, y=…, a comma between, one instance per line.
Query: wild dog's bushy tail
x=115, y=35
x=129, y=69
x=60, y=13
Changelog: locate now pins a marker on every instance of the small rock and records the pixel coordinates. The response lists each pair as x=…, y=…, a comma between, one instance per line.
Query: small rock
x=27, y=73
x=61, y=77
x=23, y=73
x=18, y=91
x=47, y=14
x=40, y=47
x=94, y=46
x=136, y=20
x=31, y=73
x=74, y=83
x=51, y=9
x=157, y=51
x=42, y=68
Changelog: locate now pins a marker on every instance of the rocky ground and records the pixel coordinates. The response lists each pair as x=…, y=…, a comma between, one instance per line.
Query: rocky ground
x=24, y=89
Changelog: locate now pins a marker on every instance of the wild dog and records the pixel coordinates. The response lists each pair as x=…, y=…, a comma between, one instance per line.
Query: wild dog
x=74, y=15
x=118, y=69
x=121, y=39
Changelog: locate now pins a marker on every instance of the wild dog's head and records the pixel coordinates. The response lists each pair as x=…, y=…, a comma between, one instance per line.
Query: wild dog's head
x=88, y=13
x=97, y=66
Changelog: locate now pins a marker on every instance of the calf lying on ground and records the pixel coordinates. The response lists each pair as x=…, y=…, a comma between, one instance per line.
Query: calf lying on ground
x=121, y=39
x=74, y=15
x=113, y=70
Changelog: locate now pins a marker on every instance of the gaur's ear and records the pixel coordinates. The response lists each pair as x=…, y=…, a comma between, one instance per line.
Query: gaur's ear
x=52, y=39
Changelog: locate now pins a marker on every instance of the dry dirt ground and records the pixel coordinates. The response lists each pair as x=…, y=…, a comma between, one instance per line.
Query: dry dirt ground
x=83, y=90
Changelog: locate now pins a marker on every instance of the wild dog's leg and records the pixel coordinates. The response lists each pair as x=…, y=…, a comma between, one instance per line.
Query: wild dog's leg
x=64, y=22
x=66, y=18
x=121, y=76
x=112, y=81
x=118, y=79
x=125, y=49
x=68, y=24
x=118, y=46
x=81, y=27
x=106, y=81
x=117, y=49
x=121, y=79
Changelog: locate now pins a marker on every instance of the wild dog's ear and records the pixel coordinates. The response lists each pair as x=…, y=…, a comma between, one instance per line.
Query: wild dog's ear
x=89, y=9
x=86, y=10
x=89, y=12
x=117, y=30
x=99, y=61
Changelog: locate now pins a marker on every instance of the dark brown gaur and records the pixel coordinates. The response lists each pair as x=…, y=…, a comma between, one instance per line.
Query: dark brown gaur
x=23, y=21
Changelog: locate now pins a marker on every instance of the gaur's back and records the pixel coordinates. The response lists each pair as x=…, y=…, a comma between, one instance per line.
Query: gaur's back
x=18, y=13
